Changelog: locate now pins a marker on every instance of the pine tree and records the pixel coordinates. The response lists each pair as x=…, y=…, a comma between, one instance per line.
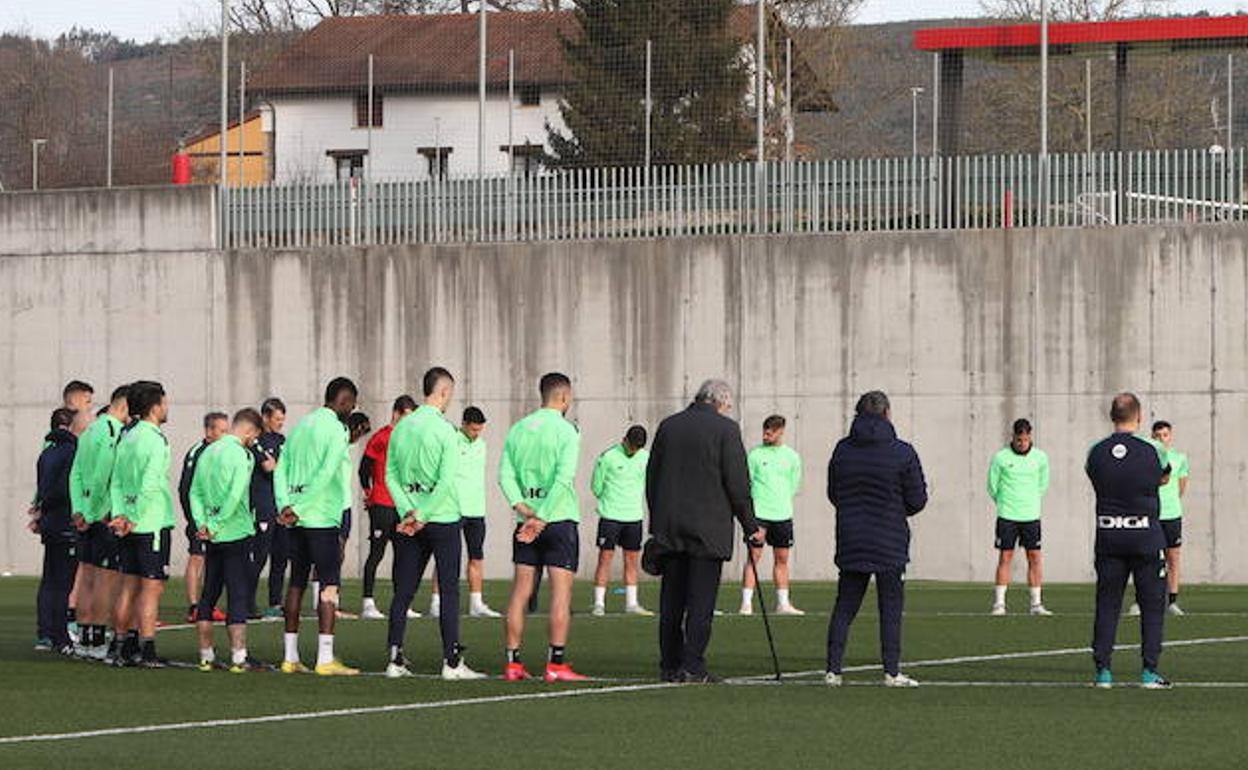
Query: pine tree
x=698, y=84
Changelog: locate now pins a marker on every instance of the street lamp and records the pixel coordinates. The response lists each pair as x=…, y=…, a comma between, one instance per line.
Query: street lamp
x=914, y=119
x=35, y=144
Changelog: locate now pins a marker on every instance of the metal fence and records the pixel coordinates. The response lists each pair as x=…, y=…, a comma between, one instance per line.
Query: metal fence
x=862, y=195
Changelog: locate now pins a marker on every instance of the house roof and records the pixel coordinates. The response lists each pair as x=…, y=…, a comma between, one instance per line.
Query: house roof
x=440, y=52
x=427, y=51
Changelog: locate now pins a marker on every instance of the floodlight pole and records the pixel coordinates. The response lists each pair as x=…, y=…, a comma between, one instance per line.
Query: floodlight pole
x=222, y=161
x=914, y=119
x=108, y=169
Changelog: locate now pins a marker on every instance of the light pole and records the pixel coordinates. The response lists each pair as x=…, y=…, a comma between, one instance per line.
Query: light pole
x=914, y=119
x=222, y=160
x=35, y=144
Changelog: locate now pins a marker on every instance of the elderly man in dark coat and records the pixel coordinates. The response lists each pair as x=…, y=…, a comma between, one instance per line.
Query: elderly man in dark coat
x=697, y=483
x=876, y=482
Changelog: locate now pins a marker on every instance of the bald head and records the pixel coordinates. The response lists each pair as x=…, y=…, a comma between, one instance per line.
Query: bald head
x=1125, y=412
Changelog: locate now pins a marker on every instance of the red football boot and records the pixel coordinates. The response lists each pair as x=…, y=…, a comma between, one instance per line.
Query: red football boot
x=562, y=672
x=516, y=672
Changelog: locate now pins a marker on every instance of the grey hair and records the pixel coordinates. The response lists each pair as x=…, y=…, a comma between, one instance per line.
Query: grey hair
x=714, y=392
x=873, y=402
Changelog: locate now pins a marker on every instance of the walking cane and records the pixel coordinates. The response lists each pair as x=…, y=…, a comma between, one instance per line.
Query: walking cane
x=771, y=643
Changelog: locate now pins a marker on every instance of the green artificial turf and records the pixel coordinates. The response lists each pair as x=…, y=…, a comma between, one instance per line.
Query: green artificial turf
x=1020, y=712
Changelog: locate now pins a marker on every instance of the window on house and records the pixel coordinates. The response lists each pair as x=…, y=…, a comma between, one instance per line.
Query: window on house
x=530, y=95
x=361, y=110
x=348, y=164
x=526, y=159
x=437, y=160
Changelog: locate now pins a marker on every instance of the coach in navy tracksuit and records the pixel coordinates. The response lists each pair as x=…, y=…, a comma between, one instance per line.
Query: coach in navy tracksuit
x=876, y=482
x=1126, y=471
x=56, y=531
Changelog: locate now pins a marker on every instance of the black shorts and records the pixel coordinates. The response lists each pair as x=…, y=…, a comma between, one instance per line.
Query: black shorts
x=314, y=547
x=779, y=533
x=194, y=546
x=625, y=534
x=146, y=555
x=344, y=529
x=1173, y=530
x=1011, y=534
x=381, y=521
x=474, y=536
x=559, y=545
x=99, y=547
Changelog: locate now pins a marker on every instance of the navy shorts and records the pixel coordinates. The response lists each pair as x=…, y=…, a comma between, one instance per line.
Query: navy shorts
x=146, y=554
x=344, y=529
x=381, y=521
x=779, y=533
x=474, y=537
x=314, y=547
x=559, y=545
x=624, y=534
x=1011, y=534
x=194, y=546
x=1173, y=530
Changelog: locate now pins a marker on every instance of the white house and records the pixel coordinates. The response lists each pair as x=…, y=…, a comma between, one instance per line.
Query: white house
x=425, y=99
x=425, y=105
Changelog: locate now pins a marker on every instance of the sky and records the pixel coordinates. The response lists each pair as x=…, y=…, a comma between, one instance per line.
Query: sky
x=144, y=20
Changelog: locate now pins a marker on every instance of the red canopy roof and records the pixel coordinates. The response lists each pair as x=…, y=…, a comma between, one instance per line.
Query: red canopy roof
x=1169, y=34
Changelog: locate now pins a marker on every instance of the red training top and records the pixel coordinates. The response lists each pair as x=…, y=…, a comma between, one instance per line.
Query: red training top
x=377, y=449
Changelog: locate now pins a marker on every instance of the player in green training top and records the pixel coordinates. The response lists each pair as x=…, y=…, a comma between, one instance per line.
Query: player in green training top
x=537, y=473
x=775, y=477
x=310, y=485
x=1171, y=494
x=619, y=483
x=220, y=511
x=142, y=507
x=470, y=489
x=1017, y=480
x=89, y=479
x=421, y=470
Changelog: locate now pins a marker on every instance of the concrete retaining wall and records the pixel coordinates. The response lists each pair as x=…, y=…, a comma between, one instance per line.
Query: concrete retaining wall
x=966, y=331
x=108, y=220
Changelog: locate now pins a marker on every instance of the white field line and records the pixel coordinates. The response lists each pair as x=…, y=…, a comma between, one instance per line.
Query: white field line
x=427, y=705
x=997, y=656
x=990, y=684
x=300, y=715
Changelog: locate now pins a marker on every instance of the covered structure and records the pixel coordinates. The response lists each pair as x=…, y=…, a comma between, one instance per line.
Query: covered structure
x=1014, y=42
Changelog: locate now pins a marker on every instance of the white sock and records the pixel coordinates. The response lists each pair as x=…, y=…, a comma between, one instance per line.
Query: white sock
x=435, y=605
x=324, y=649
x=998, y=595
x=475, y=601
x=630, y=596
x=369, y=604
x=239, y=656
x=207, y=654
x=292, y=647
x=782, y=597
x=316, y=595
x=1035, y=596
x=600, y=596
x=747, y=597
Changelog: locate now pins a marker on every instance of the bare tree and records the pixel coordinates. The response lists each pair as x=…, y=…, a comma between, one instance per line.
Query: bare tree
x=1073, y=10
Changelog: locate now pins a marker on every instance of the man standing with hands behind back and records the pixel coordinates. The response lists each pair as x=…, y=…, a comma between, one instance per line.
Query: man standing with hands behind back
x=697, y=483
x=876, y=482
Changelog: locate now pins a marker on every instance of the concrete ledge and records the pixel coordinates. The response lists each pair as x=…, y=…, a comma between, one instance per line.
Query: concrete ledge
x=108, y=220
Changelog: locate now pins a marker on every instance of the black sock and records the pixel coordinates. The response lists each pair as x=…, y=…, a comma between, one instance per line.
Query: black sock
x=556, y=653
x=456, y=655
x=130, y=645
x=71, y=615
x=513, y=656
x=96, y=636
x=149, y=649
x=1174, y=597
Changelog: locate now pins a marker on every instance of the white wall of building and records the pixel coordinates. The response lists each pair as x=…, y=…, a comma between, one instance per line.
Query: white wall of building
x=307, y=127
